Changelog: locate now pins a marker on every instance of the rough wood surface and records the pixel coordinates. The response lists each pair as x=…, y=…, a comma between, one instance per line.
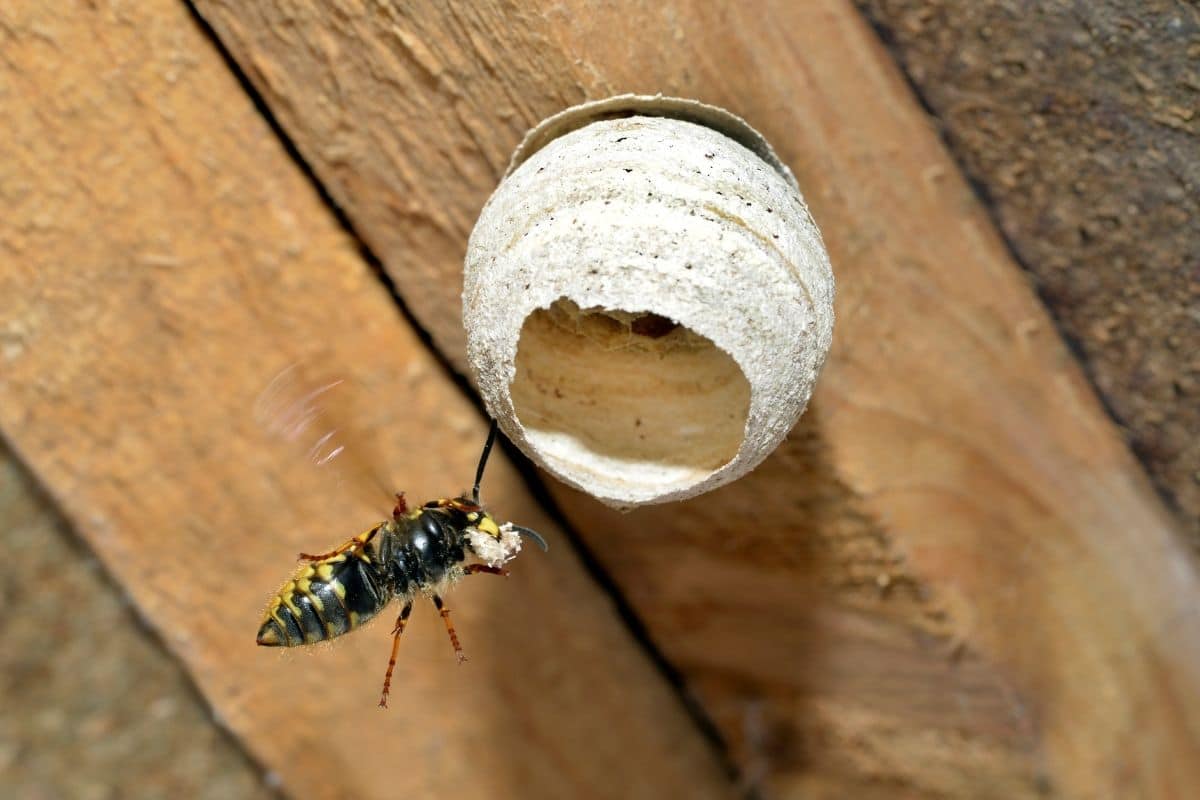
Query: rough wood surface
x=1081, y=123
x=87, y=716
x=951, y=425
x=160, y=259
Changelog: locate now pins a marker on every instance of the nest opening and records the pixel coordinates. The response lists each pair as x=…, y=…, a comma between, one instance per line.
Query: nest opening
x=627, y=398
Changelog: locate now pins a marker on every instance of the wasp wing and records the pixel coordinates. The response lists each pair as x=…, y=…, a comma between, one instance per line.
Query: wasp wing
x=311, y=410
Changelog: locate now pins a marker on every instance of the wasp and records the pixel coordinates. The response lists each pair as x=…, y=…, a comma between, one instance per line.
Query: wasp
x=418, y=552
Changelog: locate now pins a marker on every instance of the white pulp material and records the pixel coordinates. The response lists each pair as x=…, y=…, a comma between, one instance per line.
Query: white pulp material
x=647, y=213
x=495, y=551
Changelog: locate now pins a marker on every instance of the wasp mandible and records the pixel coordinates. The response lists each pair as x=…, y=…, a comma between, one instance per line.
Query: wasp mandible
x=422, y=551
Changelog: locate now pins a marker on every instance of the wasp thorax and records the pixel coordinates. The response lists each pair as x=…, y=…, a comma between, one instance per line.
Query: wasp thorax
x=647, y=299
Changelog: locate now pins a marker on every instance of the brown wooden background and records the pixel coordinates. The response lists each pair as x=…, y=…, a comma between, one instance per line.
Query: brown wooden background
x=954, y=579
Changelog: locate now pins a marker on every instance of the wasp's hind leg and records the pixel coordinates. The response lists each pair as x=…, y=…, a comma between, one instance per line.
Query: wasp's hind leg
x=347, y=546
x=401, y=621
x=445, y=612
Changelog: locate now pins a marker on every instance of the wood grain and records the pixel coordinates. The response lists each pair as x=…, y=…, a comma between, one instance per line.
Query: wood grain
x=160, y=259
x=951, y=428
x=88, y=716
x=1103, y=222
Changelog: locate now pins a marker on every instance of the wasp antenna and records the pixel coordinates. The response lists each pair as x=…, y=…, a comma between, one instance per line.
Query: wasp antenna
x=487, y=449
x=534, y=535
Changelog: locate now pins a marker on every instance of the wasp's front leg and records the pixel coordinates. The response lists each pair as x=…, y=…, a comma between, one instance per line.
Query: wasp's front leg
x=472, y=569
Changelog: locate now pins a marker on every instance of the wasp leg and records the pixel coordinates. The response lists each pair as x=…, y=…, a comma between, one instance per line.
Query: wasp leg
x=474, y=568
x=352, y=544
x=401, y=507
x=401, y=621
x=457, y=503
x=445, y=612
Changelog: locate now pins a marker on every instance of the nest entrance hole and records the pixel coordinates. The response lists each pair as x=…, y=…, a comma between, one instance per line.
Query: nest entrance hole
x=616, y=397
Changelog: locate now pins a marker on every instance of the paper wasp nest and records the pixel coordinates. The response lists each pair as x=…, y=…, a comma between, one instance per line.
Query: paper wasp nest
x=647, y=300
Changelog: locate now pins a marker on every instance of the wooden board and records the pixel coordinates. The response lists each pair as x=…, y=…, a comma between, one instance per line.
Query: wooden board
x=86, y=716
x=1079, y=124
x=951, y=425
x=160, y=260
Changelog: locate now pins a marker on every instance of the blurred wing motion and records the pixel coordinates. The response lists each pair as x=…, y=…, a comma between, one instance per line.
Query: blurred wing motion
x=314, y=416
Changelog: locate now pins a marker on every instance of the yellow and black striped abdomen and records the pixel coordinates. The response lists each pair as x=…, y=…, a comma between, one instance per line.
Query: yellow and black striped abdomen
x=326, y=599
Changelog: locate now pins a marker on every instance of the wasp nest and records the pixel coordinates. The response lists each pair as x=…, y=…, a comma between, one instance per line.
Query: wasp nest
x=647, y=300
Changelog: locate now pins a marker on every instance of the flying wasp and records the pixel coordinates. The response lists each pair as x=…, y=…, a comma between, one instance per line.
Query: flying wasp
x=422, y=551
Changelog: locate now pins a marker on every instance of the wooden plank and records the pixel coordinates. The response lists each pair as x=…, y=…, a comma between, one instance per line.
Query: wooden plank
x=951, y=426
x=1030, y=104
x=87, y=715
x=161, y=259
